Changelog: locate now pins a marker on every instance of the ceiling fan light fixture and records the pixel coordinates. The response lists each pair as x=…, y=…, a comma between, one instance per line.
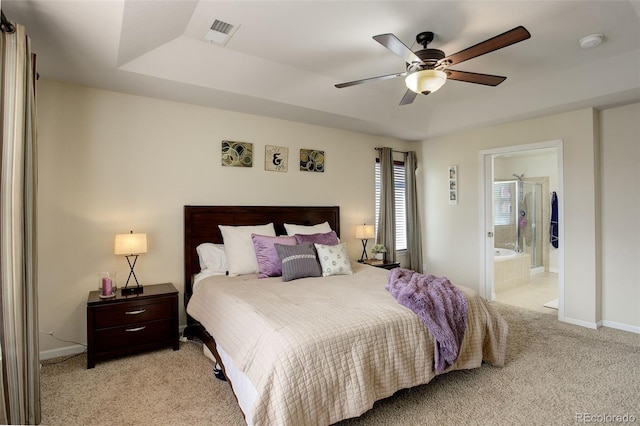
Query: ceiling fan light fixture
x=425, y=81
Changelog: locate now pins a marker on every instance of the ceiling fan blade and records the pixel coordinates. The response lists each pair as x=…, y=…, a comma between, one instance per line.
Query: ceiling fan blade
x=392, y=43
x=408, y=97
x=498, y=42
x=472, y=77
x=366, y=80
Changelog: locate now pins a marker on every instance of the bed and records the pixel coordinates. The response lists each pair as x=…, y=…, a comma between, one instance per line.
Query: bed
x=314, y=350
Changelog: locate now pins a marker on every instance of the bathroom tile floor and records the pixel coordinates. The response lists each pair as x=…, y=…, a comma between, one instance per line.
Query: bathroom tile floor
x=542, y=288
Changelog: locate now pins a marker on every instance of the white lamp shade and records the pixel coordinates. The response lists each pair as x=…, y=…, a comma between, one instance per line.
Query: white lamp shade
x=425, y=81
x=126, y=244
x=364, y=232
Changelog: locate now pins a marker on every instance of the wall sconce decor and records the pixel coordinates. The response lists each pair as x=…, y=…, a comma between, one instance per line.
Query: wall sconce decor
x=130, y=246
x=364, y=232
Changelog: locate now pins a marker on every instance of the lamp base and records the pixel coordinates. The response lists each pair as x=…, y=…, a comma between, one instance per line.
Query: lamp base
x=364, y=252
x=132, y=290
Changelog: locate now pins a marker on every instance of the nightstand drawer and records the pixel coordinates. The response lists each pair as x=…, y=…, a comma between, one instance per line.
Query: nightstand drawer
x=139, y=334
x=132, y=313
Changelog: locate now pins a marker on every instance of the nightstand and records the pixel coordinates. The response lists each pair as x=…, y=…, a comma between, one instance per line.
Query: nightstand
x=127, y=324
x=384, y=264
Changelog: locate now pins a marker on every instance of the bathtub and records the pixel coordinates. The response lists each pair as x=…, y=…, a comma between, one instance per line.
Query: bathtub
x=503, y=253
x=510, y=269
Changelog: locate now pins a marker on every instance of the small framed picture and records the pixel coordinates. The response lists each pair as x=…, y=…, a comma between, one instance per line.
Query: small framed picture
x=453, y=184
x=237, y=154
x=311, y=160
x=276, y=158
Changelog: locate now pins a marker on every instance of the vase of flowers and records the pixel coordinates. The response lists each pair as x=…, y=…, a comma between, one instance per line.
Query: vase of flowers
x=378, y=251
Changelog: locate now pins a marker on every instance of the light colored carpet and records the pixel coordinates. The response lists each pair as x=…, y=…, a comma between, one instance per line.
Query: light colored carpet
x=553, y=371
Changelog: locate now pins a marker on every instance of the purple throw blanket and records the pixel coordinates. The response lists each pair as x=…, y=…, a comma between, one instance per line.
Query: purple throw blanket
x=441, y=307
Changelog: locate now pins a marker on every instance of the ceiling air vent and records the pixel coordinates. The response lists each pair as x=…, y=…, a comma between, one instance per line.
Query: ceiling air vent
x=220, y=32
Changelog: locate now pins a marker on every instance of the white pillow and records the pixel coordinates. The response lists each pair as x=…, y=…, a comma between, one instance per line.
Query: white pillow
x=238, y=245
x=334, y=260
x=212, y=257
x=321, y=228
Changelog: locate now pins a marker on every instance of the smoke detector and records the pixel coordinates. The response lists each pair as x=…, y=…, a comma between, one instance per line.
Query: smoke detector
x=220, y=32
x=592, y=40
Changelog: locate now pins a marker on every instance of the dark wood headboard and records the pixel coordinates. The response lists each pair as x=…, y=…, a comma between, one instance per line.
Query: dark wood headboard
x=201, y=226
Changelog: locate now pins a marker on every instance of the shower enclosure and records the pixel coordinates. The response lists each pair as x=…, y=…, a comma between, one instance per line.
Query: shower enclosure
x=518, y=217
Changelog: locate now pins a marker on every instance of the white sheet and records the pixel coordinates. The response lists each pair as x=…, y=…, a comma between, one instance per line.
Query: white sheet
x=243, y=389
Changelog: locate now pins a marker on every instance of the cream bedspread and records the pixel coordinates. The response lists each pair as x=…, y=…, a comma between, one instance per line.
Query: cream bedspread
x=320, y=350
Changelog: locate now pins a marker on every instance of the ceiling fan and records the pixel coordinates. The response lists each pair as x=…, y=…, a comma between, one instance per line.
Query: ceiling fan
x=427, y=69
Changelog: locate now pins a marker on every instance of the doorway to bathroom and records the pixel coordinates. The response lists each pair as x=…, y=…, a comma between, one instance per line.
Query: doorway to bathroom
x=522, y=265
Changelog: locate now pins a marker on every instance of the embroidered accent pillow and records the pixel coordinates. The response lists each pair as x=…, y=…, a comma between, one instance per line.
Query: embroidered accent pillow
x=298, y=261
x=334, y=260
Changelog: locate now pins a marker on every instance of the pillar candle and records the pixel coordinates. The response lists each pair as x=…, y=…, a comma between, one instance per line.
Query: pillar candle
x=106, y=286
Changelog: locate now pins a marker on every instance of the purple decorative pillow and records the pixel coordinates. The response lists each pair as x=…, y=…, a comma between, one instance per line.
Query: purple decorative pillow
x=328, y=239
x=269, y=264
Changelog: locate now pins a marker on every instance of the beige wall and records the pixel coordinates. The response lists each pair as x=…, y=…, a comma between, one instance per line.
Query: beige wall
x=601, y=162
x=620, y=171
x=452, y=238
x=110, y=163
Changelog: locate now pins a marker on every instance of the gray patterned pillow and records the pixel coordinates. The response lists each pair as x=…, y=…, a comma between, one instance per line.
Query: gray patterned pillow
x=298, y=261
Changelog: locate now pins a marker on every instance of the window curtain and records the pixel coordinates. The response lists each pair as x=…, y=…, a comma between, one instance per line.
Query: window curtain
x=19, y=358
x=414, y=239
x=387, y=214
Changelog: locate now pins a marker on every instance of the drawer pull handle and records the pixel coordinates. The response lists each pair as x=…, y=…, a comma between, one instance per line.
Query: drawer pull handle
x=137, y=328
x=140, y=311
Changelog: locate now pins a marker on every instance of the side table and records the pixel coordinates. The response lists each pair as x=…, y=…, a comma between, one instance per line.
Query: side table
x=132, y=323
x=385, y=264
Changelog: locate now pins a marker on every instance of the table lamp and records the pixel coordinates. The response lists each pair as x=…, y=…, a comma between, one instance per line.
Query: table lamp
x=130, y=246
x=364, y=232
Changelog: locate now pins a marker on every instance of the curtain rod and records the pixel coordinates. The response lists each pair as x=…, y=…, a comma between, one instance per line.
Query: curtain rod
x=5, y=25
x=399, y=152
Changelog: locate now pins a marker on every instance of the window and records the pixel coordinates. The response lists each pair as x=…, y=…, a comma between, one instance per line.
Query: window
x=401, y=217
x=503, y=203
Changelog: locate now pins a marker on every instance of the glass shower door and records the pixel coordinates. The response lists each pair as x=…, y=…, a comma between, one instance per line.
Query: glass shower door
x=531, y=226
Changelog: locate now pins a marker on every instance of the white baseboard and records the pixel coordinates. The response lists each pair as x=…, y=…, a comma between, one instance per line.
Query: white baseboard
x=620, y=326
x=66, y=351
x=581, y=323
x=603, y=323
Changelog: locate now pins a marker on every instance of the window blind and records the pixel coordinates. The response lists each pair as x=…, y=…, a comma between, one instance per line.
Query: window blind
x=400, y=208
x=503, y=203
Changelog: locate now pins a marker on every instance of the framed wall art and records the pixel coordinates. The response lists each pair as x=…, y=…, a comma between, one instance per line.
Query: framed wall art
x=453, y=184
x=276, y=158
x=237, y=154
x=311, y=160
